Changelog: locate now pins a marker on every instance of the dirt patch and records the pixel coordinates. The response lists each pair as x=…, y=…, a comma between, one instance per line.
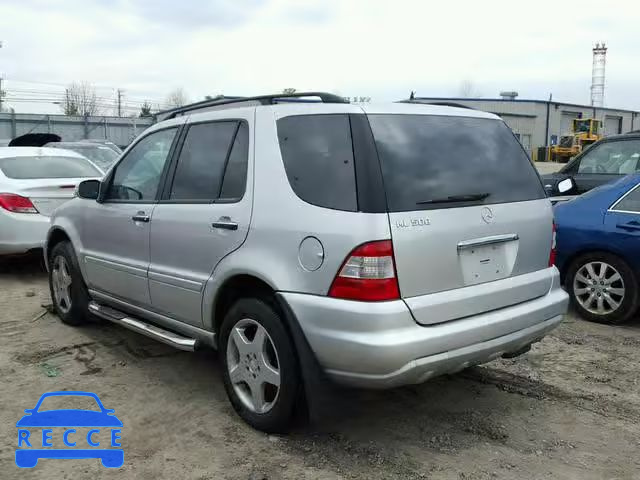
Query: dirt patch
x=568, y=409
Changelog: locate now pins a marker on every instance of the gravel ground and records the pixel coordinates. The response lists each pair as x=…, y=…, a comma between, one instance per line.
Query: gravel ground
x=569, y=409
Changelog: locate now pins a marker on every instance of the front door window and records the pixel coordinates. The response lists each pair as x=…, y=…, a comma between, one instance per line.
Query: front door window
x=613, y=158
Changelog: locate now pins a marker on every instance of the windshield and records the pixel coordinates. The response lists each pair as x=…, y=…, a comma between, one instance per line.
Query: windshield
x=431, y=162
x=582, y=126
x=612, y=158
x=103, y=157
x=25, y=168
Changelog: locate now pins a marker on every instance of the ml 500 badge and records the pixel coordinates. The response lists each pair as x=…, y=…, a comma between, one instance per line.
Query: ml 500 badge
x=412, y=222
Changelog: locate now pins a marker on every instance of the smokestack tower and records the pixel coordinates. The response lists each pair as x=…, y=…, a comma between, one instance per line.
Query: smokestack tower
x=597, y=75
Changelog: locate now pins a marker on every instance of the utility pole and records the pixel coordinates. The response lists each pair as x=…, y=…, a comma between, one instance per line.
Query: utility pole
x=119, y=102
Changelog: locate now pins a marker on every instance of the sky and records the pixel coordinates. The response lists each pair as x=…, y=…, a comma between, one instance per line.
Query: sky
x=381, y=49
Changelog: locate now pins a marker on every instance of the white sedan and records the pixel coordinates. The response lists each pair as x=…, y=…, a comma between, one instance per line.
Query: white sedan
x=33, y=182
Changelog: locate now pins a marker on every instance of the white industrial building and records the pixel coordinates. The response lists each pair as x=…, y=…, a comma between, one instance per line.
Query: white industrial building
x=539, y=123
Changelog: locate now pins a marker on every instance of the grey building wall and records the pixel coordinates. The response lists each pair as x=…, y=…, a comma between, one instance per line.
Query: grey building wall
x=528, y=118
x=116, y=129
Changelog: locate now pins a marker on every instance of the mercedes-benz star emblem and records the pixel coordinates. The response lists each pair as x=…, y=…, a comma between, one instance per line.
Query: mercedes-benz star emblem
x=487, y=215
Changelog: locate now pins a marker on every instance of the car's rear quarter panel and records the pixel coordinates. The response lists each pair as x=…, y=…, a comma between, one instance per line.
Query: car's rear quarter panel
x=281, y=221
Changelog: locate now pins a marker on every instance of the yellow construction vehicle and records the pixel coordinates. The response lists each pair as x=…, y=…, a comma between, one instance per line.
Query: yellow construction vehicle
x=585, y=132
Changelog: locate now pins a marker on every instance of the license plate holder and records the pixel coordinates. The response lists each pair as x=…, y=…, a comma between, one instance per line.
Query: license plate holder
x=484, y=263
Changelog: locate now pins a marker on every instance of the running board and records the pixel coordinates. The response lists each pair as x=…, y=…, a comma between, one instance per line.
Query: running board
x=139, y=326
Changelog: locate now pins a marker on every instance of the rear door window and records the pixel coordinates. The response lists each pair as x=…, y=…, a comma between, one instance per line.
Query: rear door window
x=434, y=162
x=235, y=176
x=317, y=152
x=202, y=161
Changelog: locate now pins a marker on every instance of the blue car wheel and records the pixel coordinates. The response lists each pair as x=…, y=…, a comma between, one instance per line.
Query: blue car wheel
x=602, y=288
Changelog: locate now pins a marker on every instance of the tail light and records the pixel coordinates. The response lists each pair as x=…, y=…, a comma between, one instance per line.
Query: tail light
x=552, y=253
x=16, y=203
x=368, y=274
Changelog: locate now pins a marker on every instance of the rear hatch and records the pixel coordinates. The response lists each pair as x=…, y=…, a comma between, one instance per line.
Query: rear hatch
x=467, y=211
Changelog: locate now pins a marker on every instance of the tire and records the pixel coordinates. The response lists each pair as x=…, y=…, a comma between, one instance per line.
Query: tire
x=581, y=291
x=253, y=362
x=72, y=308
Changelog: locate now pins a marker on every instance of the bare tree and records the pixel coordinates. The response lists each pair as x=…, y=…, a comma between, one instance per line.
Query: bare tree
x=80, y=99
x=145, y=109
x=468, y=89
x=177, y=98
x=288, y=91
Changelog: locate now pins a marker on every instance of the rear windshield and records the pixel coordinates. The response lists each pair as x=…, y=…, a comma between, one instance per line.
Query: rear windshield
x=428, y=161
x=104, y=157
x=24, y=168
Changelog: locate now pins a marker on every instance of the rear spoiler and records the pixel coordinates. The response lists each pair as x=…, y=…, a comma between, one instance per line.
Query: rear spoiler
x=34, y=140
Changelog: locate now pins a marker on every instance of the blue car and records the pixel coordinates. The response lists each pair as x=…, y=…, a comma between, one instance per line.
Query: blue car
x=598, y=250
x=33, y=446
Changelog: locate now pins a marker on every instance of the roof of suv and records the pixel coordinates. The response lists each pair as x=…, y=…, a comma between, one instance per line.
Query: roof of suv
x=308, y=108
x=301, y=104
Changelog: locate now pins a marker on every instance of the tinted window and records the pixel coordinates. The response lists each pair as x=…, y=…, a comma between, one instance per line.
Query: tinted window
x=630, y=203
x=137, y=176
x=47, y=167
x=318, y=158
x=426, y=159
x=201, y=162
x=615, y=158
x=235, y=176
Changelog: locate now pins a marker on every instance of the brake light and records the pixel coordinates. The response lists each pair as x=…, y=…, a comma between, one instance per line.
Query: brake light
x=16, y=203
x=368, y=274
x=552, y=253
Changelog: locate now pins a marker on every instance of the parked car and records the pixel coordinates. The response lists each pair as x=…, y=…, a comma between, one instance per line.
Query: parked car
x=375, y=246
x=33, y=182
x=106, y=143
x=607, y=160
x=598, y=241
x=103, y=156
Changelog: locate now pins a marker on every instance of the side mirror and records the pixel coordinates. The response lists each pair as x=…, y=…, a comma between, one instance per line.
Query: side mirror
x=89, y=189
x=566, y=186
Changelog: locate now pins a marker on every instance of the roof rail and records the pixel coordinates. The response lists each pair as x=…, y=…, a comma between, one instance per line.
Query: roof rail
x=260, y=99
x=442, y=104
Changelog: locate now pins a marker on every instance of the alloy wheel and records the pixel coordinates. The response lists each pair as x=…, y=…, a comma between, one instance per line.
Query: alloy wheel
x=253, y=366
x=61, y=283
x=598, y=288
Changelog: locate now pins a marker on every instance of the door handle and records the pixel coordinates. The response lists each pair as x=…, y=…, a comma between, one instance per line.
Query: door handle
x=141, y=217
x=631, y=226
x=225, y=223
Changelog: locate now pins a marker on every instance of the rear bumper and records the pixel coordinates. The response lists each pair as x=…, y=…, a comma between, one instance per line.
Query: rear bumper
x=379, y=345
x=21, y=232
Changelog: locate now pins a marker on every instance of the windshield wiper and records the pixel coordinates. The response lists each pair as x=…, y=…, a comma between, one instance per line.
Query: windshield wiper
x=472, y=197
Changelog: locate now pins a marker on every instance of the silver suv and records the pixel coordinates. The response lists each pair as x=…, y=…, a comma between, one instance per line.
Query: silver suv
x=375, y=246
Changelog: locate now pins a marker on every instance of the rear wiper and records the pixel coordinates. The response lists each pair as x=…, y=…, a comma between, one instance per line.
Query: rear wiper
x=472, y=197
